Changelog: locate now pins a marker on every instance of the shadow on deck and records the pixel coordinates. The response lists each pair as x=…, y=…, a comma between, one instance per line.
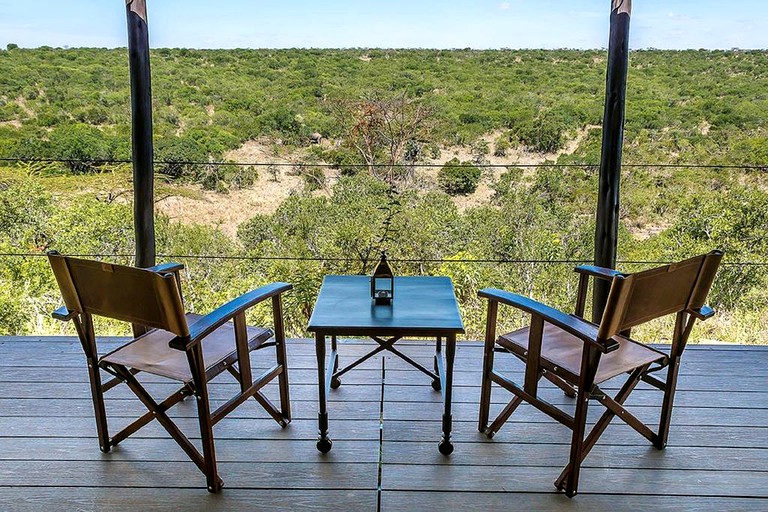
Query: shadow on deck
x=385, y=423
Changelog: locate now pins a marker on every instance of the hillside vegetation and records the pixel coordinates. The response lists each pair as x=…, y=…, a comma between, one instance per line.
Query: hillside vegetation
x=403, y=164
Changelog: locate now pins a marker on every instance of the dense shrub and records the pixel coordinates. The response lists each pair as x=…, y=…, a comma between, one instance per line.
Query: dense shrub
x=544, y=135
x=501, y=146
x=314, y=177
x=80, y=145
x=458, y=178
x=176, y=156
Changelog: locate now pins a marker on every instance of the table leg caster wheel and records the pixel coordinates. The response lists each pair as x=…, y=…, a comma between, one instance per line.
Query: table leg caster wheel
x=445, y=447
x=324, y=445
x=335, y=383
x=436, y=385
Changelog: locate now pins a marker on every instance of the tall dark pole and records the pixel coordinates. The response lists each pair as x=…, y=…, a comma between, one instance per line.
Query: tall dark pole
x=141, y=132
x=607, y=224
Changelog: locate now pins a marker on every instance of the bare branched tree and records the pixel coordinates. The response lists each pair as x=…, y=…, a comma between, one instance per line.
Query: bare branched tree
x=386, y=131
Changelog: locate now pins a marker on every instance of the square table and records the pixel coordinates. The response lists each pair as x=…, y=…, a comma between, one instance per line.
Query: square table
x=422, y=306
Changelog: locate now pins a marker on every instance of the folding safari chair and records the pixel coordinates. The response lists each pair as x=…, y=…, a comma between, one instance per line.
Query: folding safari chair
x=188, y=348
x=578, y=355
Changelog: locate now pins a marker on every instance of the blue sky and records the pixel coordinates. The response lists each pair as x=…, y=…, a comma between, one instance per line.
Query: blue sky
x=675, y=24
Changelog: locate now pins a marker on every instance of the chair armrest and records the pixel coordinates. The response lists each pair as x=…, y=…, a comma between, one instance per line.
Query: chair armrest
x=600, y=272
x=63, y=314
x=572, y=324
x=703, y=312
x=210, y=322
x=167, y=267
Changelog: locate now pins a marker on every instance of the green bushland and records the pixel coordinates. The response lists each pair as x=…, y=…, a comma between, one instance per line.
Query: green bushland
x=684, y=108
x=531, y=217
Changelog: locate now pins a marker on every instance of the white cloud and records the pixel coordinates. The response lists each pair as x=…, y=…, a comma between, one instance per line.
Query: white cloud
x=505, y=6
x=678, y=17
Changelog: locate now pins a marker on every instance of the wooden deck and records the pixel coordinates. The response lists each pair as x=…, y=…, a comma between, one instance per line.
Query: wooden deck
x=385, y=423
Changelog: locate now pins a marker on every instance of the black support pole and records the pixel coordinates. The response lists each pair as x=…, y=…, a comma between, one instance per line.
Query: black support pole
x=607, y=222
x=141, y=132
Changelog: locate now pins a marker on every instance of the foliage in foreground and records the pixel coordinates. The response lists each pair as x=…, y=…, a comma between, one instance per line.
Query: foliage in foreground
x=531, y=218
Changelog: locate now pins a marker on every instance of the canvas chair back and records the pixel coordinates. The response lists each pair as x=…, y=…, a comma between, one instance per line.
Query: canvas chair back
x=130, y=294
x=644, y=296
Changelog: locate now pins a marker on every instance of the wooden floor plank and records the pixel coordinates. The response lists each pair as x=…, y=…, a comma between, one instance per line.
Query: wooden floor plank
x=236, y=475
x=130, y=408
x=165, y=449
x=690, y=398
x=229, y=428
x=493, y=454
x=68, y=499
x=681, y=416
x=426, y=501
x=532, y=433
x=418, y=392
x=367, y=376
x=593, y=480
x=353, y=410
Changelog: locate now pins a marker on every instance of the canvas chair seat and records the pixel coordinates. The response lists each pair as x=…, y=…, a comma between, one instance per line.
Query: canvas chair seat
x=561, y=353
x=150, y=352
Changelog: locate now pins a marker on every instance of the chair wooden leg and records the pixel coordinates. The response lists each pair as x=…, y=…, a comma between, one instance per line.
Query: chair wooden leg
x=485, y=394
x=282, y=358
x=604, y=420
x=589, y=361
x=87, y=336
x=485, y=388
x=660, y=440
x=100, y=413
x=577, y=444
x=195, y=356
x=285, y=398
x=158, y=411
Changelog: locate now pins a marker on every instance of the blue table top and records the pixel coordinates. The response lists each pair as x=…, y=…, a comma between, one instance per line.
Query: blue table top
x=422, y=305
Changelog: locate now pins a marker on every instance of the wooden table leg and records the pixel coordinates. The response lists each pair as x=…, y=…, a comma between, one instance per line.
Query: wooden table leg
x=445, y=446
x=324, y=443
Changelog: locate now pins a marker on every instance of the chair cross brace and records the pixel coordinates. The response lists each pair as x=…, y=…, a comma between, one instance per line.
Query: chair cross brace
x=614, y=407
x=521, y=395
x=254, y=390
x=157, y=411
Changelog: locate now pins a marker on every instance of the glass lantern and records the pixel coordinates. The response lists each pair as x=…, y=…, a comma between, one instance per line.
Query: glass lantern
x=383, y=282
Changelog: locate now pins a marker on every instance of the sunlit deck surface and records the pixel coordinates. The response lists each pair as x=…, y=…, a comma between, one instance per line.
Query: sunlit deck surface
x=385, y=424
